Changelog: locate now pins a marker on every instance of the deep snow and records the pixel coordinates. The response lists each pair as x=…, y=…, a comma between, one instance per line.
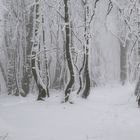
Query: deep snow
x=110, y=113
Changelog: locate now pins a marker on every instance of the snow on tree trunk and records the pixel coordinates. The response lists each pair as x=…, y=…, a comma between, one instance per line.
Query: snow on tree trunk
x=35, y=49
x=26, y=79
x=86, y=89
x=45, y=58
x=81, y=74
x=68, y=51
x=58, y=79
x=137, y=89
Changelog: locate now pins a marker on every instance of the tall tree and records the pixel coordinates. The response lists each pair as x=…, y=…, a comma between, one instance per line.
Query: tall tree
x=28, y=34
x=86, y=89
x=35, y=49
x=70, y=83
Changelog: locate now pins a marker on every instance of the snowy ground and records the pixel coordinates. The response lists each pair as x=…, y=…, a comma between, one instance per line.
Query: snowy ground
x=110, y=113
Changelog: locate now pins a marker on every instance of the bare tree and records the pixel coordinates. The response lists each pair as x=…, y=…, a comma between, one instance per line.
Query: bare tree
x=68, y=51
x=35, y=49
x=26, y=79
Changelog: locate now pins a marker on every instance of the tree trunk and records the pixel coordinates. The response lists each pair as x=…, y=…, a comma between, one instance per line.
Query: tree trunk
x=81, y=73
x=86, y=89
x=27, y=64
x=123, y=63
x=45, y=57
x=3, y=73
x=68, y=53
x=35, y=49
x=137, y=89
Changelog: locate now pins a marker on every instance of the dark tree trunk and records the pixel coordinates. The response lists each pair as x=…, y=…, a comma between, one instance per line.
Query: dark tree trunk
x=81, y=73
x=42, y=91
x=3, y=73
x=86, y=89
x=16, y=86
x=137, y=92
x=137, y=88
x=123, y=62
x=34, y=60
x=68, y=54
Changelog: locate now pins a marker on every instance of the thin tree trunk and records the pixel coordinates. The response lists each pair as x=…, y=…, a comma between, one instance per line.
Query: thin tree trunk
x=123, y=63
x=3, y=73
x=45, y=57
x=81, y=74
x=137, y=89
x=86, y=89
x=16, y=86
x=34, y=60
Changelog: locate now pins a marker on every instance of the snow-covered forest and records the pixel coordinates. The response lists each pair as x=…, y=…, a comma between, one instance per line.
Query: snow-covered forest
x=69, y=69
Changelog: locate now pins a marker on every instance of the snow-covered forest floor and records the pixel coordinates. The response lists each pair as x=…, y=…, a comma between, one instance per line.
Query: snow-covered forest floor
x=109, y=113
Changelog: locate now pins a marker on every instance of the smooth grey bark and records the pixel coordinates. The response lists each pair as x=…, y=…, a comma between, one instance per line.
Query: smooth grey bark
x=35, y=48
x=123, y=63
x=137, y=89
x=86, y=88
x=80, y=72
x=67, y=52
x=58, y=79
x=26, y=79
x=11, y=52
x=11, y=74
x=45, y=57
x=3, y=73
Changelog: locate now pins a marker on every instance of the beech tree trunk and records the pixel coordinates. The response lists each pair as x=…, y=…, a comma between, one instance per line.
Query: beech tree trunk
x=3, y=73
x=81, y=82
x=123, y=63
x=27, y=64
x=35, y=49
x=45, y=58
x=68, y=53
x=137, y=89
x=86, y=89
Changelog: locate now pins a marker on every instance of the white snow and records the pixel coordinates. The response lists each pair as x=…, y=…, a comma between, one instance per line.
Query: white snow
x=110, y=113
